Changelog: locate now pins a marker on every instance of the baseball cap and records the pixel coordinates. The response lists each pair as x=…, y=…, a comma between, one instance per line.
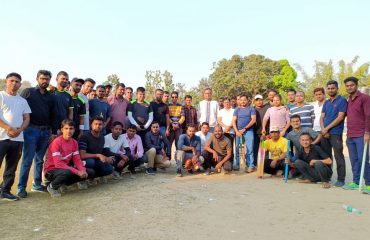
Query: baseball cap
x=258, y=96
x=274, y=129
x=80, y=80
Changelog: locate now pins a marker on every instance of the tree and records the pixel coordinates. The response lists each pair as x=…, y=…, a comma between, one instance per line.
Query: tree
x=157, y=80
x=197, y=92
x=325, y=71
x=112, y=79
x=251, y=74
x=286, y=79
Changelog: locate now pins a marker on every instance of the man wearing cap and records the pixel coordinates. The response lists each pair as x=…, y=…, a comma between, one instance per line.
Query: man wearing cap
x=79, y=109
x=277, y=146
x=261, y=109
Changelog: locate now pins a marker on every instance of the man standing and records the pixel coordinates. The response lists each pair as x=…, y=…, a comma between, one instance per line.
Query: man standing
x=136, y=147
x=243, y=122
x=358, y=134
x=118, y=106
x=128, y=94
x=100, y=107
x=260, y=113
x=79, y=109
x=191, y=116
x=188, y=151
x=140, y=113
x=291, y=98
x=157, y=150
x=225, y=120
x=14, y=118
x=332, y=125
x=166, y=97
x=63, y=102
x=160, y=112
x=317, y=107
x=217, y=152
x=270, y=95
x=36, y=136
x=305, y=111
x=108, y=89
x=208, y=109
x=313, y=162
x=87, y=88
x=177, y=118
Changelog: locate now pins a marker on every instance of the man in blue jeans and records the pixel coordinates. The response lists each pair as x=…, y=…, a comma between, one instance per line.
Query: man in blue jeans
x=92, y=151
x=243, y=122
x=36, y=136
x=358, y=134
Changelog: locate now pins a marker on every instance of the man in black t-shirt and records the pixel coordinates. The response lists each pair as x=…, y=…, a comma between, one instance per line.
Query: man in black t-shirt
x=92, y=151
x=63, y=102
x=313, y=162
x=79, y=109
x=160, y=112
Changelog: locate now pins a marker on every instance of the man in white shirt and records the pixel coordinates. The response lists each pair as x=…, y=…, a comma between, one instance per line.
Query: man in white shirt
x=208, y=109
x=118, y=146
x=204, y=135
x=319, y=93
x=14, y=118
x=225, y=119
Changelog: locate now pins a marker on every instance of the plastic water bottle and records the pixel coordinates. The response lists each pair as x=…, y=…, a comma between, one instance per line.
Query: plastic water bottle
x=351, y=209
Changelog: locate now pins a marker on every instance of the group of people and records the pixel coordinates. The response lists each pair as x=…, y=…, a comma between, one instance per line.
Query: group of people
x=88, y=135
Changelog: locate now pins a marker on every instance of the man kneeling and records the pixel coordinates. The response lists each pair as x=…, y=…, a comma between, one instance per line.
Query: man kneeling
x=217, y=152
x=63, y=165
x=313, y=162
x=189, y=151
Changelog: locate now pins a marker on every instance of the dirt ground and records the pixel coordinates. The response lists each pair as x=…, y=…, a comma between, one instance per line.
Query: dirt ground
x=236, y=206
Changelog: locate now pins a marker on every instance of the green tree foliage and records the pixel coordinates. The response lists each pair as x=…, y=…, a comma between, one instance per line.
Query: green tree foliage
x=112, y=79
x=196, y=92
x=325, y=71
x=251, y=74
x=286, y=79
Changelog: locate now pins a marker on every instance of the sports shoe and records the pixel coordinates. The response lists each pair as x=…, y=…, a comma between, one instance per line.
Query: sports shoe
x=53, y=192
x=131, y=169
x=351, y=186
x=40, y=189
x=62, y=189
x=207, y=172
x=249, y=170
x=82, y=185
x=178, y=173
x=116, y=175
x=22, y=193
x=150, y=171
x=190, y=171
x=339, y=184
x=8, y=197
x=104, y=179
x=235, y=168
x=366, y=189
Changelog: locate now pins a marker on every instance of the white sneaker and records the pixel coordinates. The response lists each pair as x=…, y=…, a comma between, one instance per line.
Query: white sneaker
x=116, y=175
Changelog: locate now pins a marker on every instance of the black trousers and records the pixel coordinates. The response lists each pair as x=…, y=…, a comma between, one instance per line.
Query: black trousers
x=11, y=151
x=320, y=172
x=280, y=165
x=174, y=136
x=335, y=142
x=210, y=162
x=60, y=177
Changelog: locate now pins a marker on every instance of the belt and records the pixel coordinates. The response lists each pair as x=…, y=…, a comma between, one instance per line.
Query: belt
x=39, y=127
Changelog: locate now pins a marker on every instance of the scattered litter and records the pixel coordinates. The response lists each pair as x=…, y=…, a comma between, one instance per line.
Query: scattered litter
x=294, y=192
x=180, y=203
x=136, y=211
x=37, y=229
x=89, y=219
x=243, y=195
x=210, y=199
x=163, y=180
x=232, y=231
x=204, y=186
x=351, y=209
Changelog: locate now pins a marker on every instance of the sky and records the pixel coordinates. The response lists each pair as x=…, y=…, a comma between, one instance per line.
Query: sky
x=92, y=38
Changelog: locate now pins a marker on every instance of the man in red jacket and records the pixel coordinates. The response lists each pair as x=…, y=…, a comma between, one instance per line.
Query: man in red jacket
x=63, y=165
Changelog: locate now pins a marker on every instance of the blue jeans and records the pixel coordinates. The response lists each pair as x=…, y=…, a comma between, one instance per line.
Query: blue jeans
x=355, y=149
x=248, y=139
x=34, y=148
x=101, y=169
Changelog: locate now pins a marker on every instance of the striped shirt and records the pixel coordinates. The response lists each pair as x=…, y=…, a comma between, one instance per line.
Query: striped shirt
x=307, y=114
x=177, y=114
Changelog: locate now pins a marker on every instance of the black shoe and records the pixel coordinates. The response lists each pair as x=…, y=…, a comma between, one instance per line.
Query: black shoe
x=40, y=189
x=132, y=169
x=22, y=193
x=150, y=171
x=190, y=171
x=8, y=197
x=155, y=169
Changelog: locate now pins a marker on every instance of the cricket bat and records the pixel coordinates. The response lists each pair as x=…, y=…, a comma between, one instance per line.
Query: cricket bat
x=261, y=160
